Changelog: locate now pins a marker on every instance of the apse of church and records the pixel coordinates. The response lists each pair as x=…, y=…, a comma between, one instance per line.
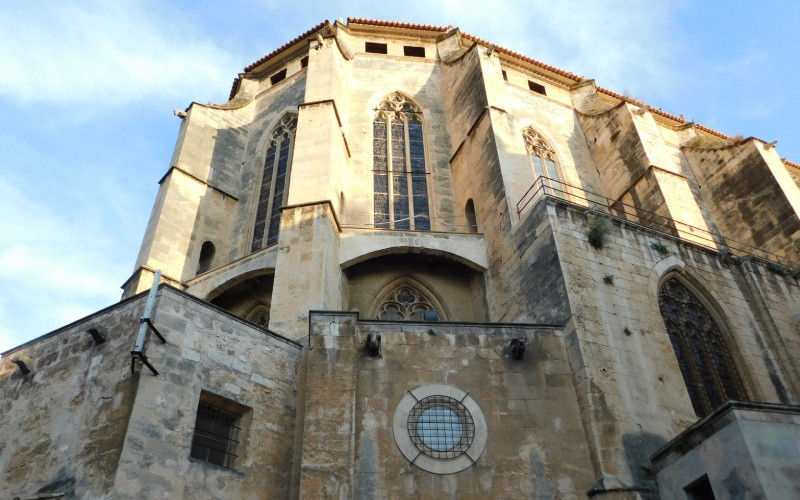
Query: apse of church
x=402, y=261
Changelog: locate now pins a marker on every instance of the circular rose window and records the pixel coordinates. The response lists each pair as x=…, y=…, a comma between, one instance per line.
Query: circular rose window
x=440, y=428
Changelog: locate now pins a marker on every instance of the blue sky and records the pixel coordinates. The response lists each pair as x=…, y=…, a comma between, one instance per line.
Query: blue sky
x=87, y=91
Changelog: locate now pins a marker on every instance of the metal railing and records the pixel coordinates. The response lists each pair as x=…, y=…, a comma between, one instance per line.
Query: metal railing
x=545, y=186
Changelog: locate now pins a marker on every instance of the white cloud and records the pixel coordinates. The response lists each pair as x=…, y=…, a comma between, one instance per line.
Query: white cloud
x=624, y=44
x=53, y=270
x=105, y=53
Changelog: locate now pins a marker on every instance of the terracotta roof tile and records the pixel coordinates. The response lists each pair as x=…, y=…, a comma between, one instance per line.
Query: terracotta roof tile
x=285, y=46
x=393, y=24
x=517, y=55
x=791, y=163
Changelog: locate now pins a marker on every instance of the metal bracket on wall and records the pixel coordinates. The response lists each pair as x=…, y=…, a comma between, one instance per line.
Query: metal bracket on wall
x=144, y=323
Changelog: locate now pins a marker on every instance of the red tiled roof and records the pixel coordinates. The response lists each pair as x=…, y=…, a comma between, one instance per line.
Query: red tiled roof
x=285, y=46
x=517, y=55
x=791, y=163
x=393, y=24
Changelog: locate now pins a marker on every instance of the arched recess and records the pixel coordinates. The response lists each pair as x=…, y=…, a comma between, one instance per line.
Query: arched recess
x=457, y=292
x=206, y=257
x=469, y=214
x=248, y=296
x=700, y=339
x=406, y=299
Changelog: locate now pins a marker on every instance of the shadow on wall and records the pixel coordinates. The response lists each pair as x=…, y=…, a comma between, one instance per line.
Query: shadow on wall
x=249, y=299
x=431, y=281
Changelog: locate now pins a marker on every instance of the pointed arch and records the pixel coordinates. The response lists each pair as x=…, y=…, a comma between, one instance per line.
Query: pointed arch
x=400, y=173
x=406, y=299
x=703, y=356
x=274, y=182
x=541, y=154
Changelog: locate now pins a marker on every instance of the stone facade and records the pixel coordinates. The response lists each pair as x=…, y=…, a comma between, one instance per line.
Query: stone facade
x=533, y=282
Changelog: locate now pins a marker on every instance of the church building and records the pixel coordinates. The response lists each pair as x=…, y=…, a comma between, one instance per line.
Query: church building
x=402, y=261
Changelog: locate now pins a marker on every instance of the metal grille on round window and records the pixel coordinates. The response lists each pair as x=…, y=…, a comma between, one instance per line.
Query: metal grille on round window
x=441, y=427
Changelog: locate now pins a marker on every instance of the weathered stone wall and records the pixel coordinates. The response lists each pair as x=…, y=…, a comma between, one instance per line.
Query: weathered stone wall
x=269, y=107
x=626, y=375
x=535, y=436
x=80, y=423
x=62, y=425
x=373, y=78
x=744, y=451
x=212, y=351
x=754, y=201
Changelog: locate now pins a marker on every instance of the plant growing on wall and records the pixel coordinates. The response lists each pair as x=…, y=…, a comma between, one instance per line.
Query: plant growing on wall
x=599, y=228
x=660, y=248
x=608, y=279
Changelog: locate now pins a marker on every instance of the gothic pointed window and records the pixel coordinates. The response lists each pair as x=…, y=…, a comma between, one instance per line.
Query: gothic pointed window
x=400, y=176
x=274, y=183
x=541, y=155
x=703, y=357
x=406, y=303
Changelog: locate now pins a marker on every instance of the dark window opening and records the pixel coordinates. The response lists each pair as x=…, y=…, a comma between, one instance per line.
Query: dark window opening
x=280, y=75
x=304, y=62
x=472, y=221
x=411, y=51
x=375, y=48
x=216, y=434
x=700, y=489
x=206, y=257
x=505, y=75
x=537, y=87
x=703, y=356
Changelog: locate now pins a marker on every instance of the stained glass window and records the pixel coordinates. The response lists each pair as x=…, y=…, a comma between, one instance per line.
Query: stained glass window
x=274, y=183
x=541, y=154
x=703, y=357
x=405, y=304
x=400, y=177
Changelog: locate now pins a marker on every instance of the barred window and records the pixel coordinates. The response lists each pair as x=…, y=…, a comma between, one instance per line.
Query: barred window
x=399, y=171
x=216, y=434
x=541, y=154
x=703, y=357
x=274, y=183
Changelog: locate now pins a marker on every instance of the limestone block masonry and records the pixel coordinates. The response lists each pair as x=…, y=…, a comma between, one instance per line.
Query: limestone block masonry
x=402, y=261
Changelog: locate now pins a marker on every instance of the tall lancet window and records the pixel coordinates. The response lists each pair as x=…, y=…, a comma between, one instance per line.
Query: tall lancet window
x=274, y=183
x=703, y=356
x=541, y=154
x=400, y=176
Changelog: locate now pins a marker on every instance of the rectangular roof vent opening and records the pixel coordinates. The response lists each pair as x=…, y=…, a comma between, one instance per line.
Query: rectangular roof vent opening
x=375, y=48
x=411, y=51
x=280, y=75
x=537, y=87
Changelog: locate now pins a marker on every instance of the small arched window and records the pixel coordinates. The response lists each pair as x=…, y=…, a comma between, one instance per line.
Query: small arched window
x=541, y=155
x=400, y=175
x=206, y=257
x=274, y=183
x=469, y=212
x=703, y=357
x=406, y=303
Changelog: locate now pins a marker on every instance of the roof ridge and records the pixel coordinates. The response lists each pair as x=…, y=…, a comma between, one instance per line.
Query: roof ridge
x=285, y=46
x=473, y=38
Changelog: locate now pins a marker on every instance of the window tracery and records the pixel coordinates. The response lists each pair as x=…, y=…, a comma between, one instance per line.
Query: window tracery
x=400, y=177
x=542, y=156
x=703, y=357
x=274, y=183
x=405, y=304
